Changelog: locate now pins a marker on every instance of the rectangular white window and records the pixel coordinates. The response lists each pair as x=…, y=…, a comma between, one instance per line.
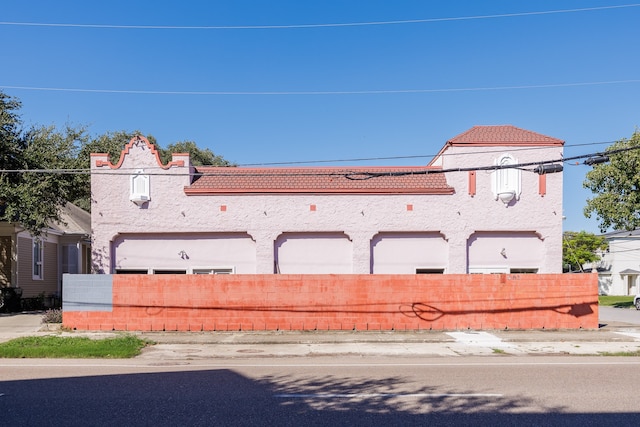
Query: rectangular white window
x=219, y=270
x=38, y=257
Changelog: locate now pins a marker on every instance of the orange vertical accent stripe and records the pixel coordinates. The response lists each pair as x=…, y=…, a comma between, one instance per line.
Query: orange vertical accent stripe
x=542, y=184
x=472, y=183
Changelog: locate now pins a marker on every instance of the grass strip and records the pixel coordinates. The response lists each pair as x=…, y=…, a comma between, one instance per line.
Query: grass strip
x=616, y=301
x=630, y=353
x=52, y=346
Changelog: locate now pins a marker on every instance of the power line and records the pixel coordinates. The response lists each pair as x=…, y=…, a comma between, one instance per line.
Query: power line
x=417, y=156
x=302, y=26
x=365, y=159
x=344, y=172
x=309, y=93
x=521, y=166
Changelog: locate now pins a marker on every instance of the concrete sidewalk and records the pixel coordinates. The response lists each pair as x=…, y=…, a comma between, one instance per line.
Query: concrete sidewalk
x=194, y=345
x=613, y=338
x=20, y=324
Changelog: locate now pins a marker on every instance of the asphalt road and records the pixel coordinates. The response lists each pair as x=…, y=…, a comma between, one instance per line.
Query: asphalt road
x=350, y=391
x=613, y=314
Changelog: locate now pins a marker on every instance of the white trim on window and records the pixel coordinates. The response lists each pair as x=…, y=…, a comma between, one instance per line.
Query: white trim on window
x=489, y=270
x=37, y=259
x=212, y=270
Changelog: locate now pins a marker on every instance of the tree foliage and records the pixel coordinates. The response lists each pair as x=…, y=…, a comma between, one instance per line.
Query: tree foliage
x=197, y=156
x=62, y=159
x=616, y=186
x=27, y=195
x=579, y=248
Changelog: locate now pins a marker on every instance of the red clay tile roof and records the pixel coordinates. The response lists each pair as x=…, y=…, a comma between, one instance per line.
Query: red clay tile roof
x=232, y=180
x=502, y=135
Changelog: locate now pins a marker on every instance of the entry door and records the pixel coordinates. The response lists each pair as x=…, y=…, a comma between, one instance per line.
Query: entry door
x=5, y=261
x=631, y=284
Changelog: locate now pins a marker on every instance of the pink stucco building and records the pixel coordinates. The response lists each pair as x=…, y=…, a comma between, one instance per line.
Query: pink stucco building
x=455, y=215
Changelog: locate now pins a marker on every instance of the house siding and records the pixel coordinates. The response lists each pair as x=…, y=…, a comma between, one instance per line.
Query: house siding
x=49, y=284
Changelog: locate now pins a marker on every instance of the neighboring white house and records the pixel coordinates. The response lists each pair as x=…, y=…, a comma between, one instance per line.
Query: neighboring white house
x=619, y=267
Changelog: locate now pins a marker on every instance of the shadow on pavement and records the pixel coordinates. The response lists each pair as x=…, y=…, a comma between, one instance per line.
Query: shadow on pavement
x=224, y=397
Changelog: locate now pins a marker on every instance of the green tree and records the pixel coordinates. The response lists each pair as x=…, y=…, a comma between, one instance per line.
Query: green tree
x=30, y=194
x=42, y=168
x=616, y=186
x=579, y=248
x=197, y=156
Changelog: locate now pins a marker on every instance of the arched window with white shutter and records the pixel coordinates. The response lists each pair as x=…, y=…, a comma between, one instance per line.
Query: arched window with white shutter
x=139, y=188
x=506, y=181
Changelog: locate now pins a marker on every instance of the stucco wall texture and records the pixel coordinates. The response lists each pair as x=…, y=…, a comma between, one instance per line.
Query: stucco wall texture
x=342, y=302
x=455, y=220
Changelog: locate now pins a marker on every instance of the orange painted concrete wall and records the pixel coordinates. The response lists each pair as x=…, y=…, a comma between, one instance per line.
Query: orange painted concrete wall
x=345, y=302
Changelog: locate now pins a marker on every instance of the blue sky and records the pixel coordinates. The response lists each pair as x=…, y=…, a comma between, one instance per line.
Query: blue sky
x=283, y=93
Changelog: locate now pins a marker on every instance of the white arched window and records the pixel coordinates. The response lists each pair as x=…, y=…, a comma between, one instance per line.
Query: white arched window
x=139, y=193
x=505, y=182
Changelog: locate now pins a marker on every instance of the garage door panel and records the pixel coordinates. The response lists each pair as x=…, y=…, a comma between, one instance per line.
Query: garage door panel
x=505, y=251
x=314, y=253
x=186, y=251
x=404, y=253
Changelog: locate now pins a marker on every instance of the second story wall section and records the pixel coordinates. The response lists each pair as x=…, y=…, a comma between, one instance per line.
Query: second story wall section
x=510, y=201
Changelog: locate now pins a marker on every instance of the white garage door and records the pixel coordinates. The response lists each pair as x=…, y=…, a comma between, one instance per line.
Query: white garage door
x=505, y=252
x=188, y=253
x=409, y=253
x=313, y=253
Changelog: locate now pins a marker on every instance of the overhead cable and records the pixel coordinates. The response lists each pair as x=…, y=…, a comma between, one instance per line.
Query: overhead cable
x=416, y=156
x=345, y=172
x=314, y=93
x=302, y=26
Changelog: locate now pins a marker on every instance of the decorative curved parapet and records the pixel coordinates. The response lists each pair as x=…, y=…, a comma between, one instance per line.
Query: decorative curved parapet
x=135, y=141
